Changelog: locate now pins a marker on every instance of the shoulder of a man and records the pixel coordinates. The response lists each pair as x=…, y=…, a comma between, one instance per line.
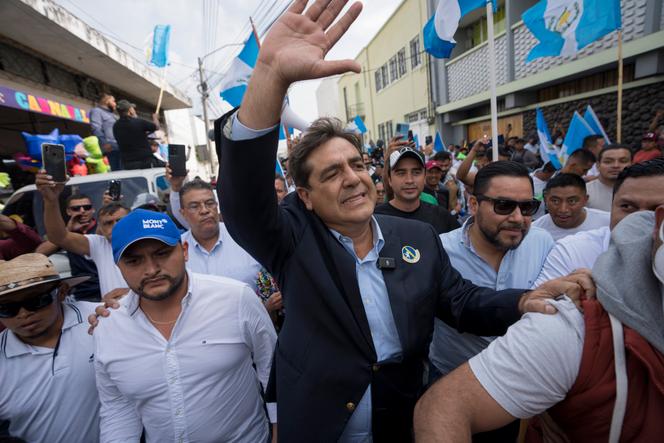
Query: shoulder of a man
x=539, y=236
x=535, y=364
x=544, y=220
x=97, y=242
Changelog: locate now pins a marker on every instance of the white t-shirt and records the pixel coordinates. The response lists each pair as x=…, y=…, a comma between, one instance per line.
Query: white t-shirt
x=574, y=252
x=600, y=195
x=594, y=219
x=535, y=364
x=101, y=252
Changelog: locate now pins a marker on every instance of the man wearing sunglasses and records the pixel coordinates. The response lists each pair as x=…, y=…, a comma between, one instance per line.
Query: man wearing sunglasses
x=48, y=388
x=496, y=248
x=597, y=373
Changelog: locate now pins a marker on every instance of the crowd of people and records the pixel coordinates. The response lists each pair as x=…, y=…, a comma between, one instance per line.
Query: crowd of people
x=394, y=295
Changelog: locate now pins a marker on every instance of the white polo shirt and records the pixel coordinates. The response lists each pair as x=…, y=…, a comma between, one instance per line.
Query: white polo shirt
x=227, y=258
x=199, y=385
x=47, y=397
x=101, y=252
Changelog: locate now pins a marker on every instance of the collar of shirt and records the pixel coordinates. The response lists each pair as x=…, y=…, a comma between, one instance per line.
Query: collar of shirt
x=132, y=300
x=378, y=242
x=194, y=243
x=13, y=346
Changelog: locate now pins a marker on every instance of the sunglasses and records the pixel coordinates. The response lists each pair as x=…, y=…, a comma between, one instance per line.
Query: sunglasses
x=503, y=206
x=9, y=310
x=77, y=208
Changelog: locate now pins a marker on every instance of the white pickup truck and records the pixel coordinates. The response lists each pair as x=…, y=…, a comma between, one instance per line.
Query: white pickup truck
x=27, y=202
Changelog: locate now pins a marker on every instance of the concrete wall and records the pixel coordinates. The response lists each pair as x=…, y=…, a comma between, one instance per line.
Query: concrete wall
x=327, y=97
x=639, y=107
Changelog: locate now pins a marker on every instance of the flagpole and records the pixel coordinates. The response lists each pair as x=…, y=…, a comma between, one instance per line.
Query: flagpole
x=492, y=80
x=161, y=89
x=620, y=88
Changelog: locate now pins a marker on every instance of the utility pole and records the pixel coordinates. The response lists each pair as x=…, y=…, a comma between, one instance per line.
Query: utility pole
x=203, y=89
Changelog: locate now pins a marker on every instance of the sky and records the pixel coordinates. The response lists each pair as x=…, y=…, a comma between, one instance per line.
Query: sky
x=200, y=26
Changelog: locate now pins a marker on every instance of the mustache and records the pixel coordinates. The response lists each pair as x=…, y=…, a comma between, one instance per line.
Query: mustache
x=149, y=280
x=521, y=226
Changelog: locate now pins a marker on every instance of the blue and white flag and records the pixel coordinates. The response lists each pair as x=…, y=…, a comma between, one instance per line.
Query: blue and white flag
x=564, y=27
x=234, y=84
x=577, y=131
x=548, y=150
x=591, y=118
x=359, y=124
x=160, y=40
x=439, y=30
x=438, y=145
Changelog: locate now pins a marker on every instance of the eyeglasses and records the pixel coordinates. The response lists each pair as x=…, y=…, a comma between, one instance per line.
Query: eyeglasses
x=9, y=310
x=197, y=206
x=503, y=206
x=76, y=208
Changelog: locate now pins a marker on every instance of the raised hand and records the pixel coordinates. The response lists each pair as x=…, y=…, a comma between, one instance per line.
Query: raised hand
x=296, y=46
x=295, y=50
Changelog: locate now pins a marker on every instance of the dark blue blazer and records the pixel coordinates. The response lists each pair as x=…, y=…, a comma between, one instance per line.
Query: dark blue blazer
x=325, y=358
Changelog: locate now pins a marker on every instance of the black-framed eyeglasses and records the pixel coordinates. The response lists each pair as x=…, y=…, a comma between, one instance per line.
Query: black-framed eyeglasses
x=504, y=206
x=76, y=208
x=9, y=310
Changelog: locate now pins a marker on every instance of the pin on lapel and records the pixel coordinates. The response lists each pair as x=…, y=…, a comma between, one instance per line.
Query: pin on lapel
x=410, y=254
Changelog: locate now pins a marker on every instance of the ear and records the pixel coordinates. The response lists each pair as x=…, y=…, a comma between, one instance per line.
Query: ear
x=185, y=250
x=303, y=193
x=659, y=219
x=473, y=205
x=63, y=290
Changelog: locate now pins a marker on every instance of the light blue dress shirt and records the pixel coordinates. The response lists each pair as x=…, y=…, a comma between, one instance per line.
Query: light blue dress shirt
x=226, y=259
x=518, y=269
x=381, y=323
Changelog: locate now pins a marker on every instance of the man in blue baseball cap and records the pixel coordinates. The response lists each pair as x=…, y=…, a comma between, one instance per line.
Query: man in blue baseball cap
x=176, y=358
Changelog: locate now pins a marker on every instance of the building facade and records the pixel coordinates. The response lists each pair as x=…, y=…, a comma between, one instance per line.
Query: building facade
x=559, y=85
x=53, y=69
x=393, y=86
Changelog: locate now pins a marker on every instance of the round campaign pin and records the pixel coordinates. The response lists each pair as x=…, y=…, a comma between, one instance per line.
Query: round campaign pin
x=410, y=254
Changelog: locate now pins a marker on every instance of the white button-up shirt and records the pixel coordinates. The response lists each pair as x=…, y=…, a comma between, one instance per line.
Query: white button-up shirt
x=226, y=259
x=48, y=396
x=197, y=386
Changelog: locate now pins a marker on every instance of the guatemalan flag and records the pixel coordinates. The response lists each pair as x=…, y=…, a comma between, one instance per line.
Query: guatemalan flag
x=438, y=145
x=160, y=40
x=593, y=121
x=234, y=84
x=439, y=30
x=578, y=130
x=548, y=150
x=564, y=27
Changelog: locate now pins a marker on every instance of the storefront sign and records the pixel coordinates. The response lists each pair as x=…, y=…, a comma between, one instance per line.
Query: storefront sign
x=28, y=102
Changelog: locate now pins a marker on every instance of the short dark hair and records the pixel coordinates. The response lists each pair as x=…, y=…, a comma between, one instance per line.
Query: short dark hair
x=590, y=141
x=501, y=151
x=111, y=208
x=613, y=147
x=321, y=131
x=69, y=199
x=195, y=184
x=563, y=180
x=583, y=156
x=442, y=156
x=281, y=178
x=498, y=169
x=650, y=168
